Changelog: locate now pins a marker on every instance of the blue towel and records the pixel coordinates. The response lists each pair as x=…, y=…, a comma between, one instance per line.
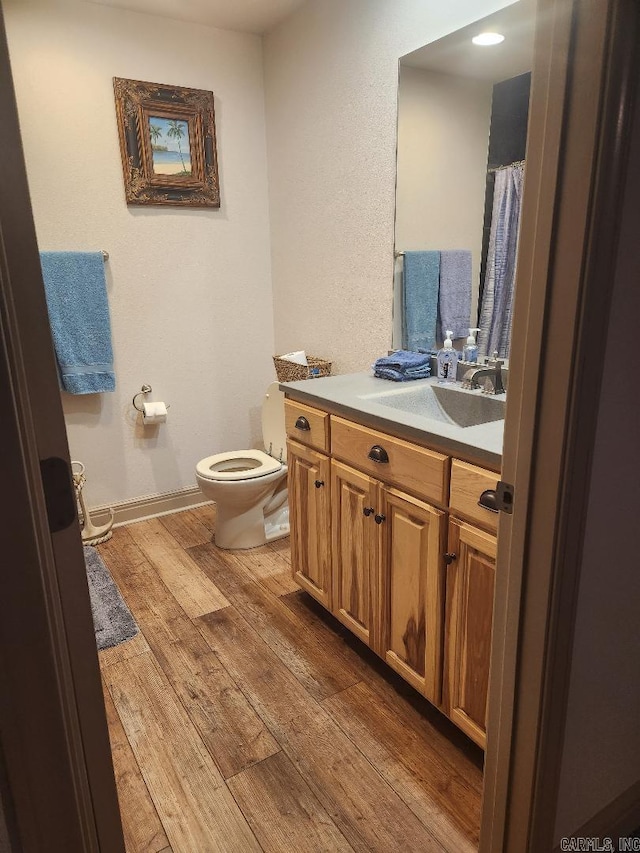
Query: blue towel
x=402, y=366
x=421, y=282
x=403, y=360
x=400, y=375
x=76, y=294
x=455, y=292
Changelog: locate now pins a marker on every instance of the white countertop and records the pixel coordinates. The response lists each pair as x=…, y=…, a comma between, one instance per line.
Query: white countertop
x=350, y=395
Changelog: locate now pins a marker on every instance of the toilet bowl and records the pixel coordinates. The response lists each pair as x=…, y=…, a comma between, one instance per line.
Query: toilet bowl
x=249, y=487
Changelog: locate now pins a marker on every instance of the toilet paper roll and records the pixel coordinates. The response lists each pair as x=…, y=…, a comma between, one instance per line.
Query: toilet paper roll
x=154, y=413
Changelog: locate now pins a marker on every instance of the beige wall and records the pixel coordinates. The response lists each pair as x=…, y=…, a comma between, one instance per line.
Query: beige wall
x=331, y=74
x=443, y=139
x=190, y=290
x=601, y=757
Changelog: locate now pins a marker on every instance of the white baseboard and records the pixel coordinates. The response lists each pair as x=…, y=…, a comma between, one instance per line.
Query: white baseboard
x=151, y=506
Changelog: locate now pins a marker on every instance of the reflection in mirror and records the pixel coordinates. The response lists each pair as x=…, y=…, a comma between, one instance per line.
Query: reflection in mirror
x=462, y=127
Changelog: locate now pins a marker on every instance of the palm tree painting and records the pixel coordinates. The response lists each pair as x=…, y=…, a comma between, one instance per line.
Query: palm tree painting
x=170, y=147
x=156, y=133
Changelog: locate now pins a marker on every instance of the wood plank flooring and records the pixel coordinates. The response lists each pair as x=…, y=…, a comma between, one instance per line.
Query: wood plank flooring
x=244, y=717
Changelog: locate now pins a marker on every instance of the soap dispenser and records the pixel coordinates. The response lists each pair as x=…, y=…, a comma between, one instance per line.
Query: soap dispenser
x=448, y=362
x=470, y=351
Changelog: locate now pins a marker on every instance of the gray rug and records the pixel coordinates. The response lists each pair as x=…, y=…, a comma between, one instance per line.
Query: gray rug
x=112, y=618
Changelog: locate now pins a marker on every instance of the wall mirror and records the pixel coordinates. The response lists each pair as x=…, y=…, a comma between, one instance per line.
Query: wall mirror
x=462, y=127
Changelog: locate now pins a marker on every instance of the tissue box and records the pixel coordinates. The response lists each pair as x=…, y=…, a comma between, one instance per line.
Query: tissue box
x=287, y=371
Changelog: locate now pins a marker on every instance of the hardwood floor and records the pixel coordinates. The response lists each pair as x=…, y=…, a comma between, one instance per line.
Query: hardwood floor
x=244, y=717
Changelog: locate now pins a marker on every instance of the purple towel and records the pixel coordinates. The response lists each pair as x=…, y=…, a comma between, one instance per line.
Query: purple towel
x=455, y=292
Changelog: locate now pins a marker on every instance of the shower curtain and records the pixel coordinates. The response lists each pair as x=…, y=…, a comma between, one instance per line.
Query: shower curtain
x=497, y=297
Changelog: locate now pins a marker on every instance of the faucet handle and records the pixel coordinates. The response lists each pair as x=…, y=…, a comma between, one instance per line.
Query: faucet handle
x=495, y=361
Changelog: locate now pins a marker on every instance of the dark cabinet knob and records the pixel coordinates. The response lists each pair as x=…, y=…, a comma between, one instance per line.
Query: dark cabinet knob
x=380, y=518
x=303, y=424
x=378, y=454
x=488, y=500
x=449, y=558
x=319, y=483
x=368, y=510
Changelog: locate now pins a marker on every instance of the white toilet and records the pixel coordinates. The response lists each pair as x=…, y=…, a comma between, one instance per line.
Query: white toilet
x=250, y=486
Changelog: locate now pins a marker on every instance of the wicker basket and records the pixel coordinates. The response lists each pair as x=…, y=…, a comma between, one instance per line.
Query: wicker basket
x=287, y=371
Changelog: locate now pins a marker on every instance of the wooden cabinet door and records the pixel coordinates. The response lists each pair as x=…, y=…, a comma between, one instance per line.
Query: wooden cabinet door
x=469, y=616
x=412, y=591
x=354, y=548
x=309, y=488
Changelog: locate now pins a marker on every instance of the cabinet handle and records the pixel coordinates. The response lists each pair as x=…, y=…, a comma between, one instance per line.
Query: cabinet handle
x=488, y=500
x=303, y=424
x=379, y=518
x=319, y=483
x=368, y=510
x=449, y=558
x=378, y=454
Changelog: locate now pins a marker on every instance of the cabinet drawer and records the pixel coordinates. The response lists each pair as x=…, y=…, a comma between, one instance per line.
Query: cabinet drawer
x=307, y=425
x=467, y=485
x=415, y=469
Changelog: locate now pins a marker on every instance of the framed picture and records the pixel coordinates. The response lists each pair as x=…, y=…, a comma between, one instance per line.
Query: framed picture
x=167, y=143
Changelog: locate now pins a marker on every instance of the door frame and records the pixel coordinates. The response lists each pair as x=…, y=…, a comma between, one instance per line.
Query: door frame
x=58, y=788
x=582, y=102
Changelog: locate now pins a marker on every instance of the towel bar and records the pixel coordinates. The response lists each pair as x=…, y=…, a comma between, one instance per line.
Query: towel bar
x=105, y=255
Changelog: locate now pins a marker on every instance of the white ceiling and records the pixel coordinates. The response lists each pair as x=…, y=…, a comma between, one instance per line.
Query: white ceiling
x=456, y=54
x=251, y=16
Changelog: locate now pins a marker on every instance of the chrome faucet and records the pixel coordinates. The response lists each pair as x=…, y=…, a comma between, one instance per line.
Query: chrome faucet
x=492, y=370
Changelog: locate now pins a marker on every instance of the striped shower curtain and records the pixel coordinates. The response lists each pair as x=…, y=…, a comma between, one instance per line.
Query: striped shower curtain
x=499, y=282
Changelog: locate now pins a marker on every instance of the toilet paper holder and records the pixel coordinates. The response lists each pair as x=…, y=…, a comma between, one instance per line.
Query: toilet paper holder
x=146, y=389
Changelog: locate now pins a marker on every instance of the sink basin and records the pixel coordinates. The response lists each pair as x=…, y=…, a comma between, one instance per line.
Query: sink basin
x=444, y=404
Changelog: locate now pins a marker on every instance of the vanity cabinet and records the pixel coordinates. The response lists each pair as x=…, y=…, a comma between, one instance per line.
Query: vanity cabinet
x=470, y=586
x=355, y=549
x=411, y=600
x=388, y=574
x=309, y=481
x=387, y=548
x=471, y=557
x=398, y=541
x=307, y=425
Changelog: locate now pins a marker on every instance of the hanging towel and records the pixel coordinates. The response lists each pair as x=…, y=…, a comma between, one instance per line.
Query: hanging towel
x=455, y=292
x=421, y=280
x=76, y=295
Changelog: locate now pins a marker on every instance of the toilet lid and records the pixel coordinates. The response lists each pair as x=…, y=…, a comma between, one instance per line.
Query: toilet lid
x=237, y=465
x=274, y=433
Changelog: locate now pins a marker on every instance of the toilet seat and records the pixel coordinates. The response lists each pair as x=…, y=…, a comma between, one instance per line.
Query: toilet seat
x=237, y=465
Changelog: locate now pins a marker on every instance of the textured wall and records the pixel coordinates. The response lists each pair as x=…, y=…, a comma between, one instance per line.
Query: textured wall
x=331, y=75
x=190, y=290
x=443, y=138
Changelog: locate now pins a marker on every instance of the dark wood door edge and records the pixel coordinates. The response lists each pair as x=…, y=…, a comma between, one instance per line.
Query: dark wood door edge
x=53, y=731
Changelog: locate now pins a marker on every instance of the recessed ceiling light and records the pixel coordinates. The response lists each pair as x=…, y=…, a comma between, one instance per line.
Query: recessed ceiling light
x=488, y=38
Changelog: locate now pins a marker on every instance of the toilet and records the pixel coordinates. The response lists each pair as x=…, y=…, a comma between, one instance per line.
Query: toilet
x=249, y=487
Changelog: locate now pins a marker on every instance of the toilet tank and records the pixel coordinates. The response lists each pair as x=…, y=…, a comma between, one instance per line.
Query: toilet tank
x=274, y=433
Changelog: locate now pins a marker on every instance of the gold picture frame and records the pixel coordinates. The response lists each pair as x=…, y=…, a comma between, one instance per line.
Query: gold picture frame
x=167, y=144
